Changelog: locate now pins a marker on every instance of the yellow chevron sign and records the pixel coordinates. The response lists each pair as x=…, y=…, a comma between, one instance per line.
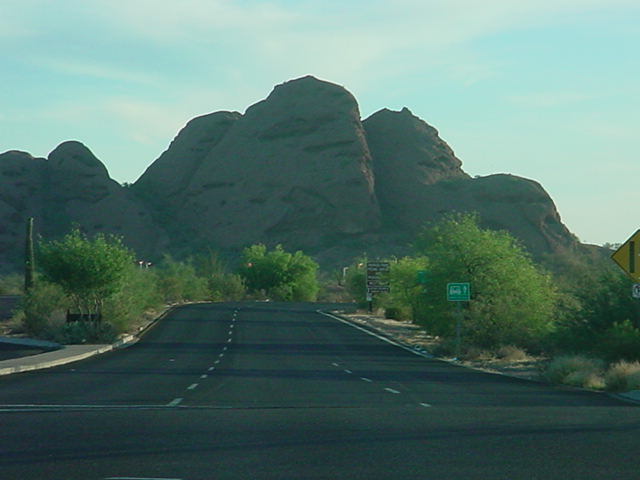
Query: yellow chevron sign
x=627, y=256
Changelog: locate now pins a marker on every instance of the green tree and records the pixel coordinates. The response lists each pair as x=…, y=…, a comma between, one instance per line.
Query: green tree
x=407, y=293
x=513, y=302
x=356, y=281
x=279, y=274
x=89, y=270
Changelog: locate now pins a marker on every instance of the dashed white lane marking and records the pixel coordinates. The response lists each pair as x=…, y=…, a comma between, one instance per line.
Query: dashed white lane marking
x=335, y=364
x=175, y=402
x=391, y=390
x=204, y=376
x=193, y=386
x=230, y=332
x=216, y=362
x=366, y=379
x=347, y=371
x=211, y=369
x=229, y=341
x=224, y=349
x=426, y=405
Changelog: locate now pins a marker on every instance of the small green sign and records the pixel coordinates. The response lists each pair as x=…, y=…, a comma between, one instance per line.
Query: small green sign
x=458, y=292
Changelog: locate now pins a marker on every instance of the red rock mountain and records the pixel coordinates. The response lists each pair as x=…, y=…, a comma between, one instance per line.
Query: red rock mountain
x=298, y=168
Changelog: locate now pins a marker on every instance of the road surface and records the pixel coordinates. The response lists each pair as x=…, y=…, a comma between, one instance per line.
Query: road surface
x=276, y=391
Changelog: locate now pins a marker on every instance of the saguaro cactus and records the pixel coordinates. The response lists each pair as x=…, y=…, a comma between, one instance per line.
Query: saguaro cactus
x=29, y=264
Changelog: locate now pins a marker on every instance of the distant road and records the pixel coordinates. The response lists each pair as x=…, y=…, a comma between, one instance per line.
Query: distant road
x=277, y=391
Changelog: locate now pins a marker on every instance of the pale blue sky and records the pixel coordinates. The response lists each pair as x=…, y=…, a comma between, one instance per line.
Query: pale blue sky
x=548, y=90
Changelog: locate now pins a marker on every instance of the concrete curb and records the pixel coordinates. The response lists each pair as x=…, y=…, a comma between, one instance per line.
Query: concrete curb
x=70, y=353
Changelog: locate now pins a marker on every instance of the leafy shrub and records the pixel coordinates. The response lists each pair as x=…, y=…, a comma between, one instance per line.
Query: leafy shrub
x=279, y=274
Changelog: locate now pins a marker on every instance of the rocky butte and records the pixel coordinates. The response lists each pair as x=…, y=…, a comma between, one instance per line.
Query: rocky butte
x=299, y=168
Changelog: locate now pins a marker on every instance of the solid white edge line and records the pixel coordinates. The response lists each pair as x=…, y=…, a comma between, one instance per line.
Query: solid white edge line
x=140, y=478
x=384, y=339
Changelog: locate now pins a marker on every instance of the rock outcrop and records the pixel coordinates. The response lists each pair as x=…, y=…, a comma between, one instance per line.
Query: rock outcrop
x=298, y=168
x=71, y=187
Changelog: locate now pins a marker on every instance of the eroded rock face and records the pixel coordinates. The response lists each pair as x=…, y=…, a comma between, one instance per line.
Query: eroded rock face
x=171, y=173
x=409, y=157
x=294, y=169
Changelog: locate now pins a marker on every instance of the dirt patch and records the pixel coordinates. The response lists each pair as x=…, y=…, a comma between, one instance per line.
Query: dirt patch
x=526, y=367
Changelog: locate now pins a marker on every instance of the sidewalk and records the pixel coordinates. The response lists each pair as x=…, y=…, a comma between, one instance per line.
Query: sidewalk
x=61, y=356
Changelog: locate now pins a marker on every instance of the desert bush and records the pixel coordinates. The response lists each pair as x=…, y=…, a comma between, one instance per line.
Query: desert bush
x=585, y=379
x=226, y=287
x=45, y=304
x=621, y=341
x=565, y=369
x=11, y=284
x=140, y=294
x=623, y=376
x=511, y=353
x=395, y=312
x=477, y=354
x=82, y=332
x=178, y=281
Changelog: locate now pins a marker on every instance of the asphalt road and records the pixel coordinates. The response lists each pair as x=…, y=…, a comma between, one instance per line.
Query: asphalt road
x=272, y=391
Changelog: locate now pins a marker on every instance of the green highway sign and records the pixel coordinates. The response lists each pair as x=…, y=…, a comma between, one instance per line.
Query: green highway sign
x=458, y=292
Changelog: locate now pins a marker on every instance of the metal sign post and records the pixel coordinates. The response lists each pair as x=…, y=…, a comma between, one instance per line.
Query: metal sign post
x=458, y=292
x=377, y=280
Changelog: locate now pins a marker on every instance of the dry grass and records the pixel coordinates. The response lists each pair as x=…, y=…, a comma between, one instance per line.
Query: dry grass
x=623, y=377
x=576, y=370
x=511, y=353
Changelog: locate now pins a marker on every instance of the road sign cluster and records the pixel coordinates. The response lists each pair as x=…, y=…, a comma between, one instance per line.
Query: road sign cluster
x=377, y=277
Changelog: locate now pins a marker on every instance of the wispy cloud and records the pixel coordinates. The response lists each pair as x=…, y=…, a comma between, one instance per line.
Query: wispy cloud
x=95, y=69
x=548, y=99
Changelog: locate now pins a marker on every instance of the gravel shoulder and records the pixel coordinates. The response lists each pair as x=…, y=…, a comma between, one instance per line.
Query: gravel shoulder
x=414, y=336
